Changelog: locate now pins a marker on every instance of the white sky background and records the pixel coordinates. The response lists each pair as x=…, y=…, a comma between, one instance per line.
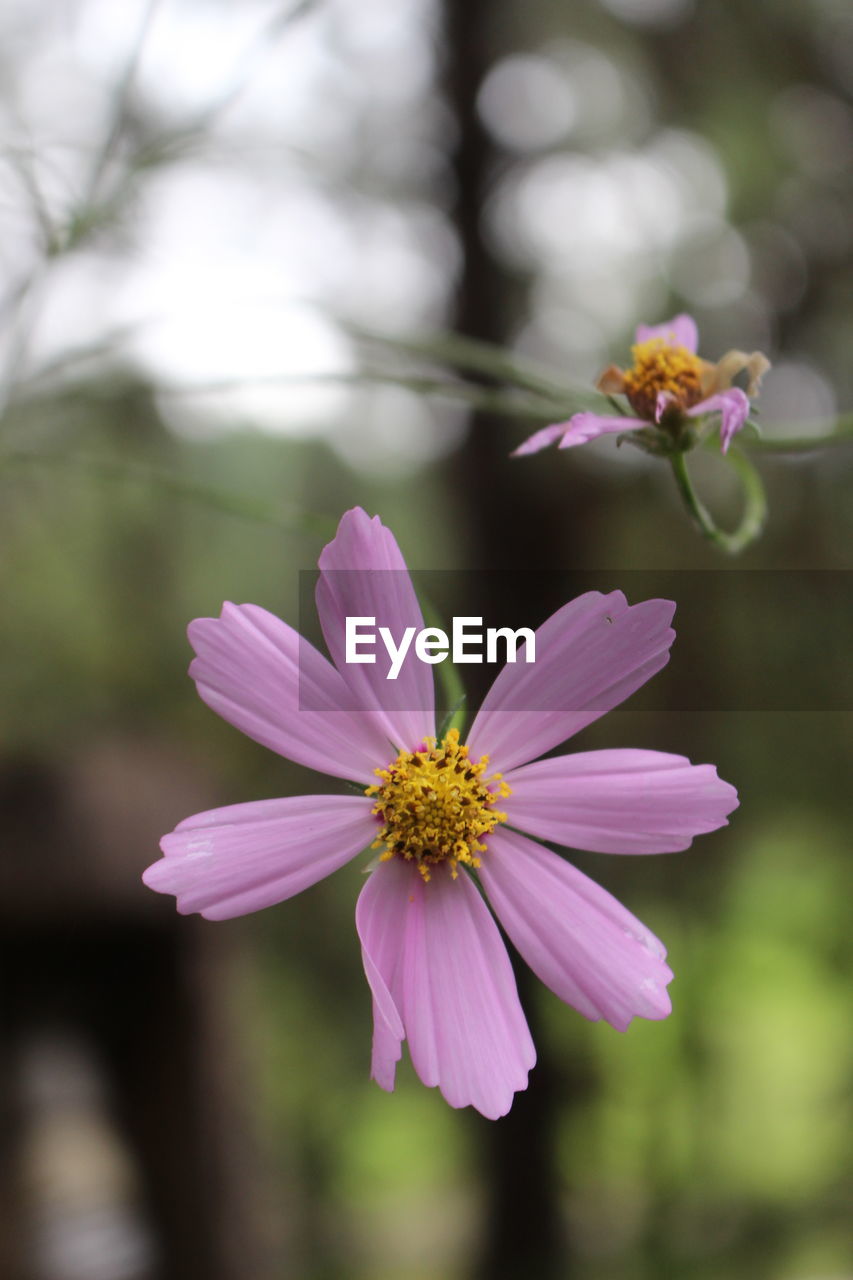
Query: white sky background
x=298, y=203
x=320, y=188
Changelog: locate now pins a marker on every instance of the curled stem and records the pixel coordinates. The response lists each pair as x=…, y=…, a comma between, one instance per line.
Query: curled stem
x=754, y=509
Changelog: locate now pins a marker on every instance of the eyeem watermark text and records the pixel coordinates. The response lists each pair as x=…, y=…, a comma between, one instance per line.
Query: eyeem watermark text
x=432, y=644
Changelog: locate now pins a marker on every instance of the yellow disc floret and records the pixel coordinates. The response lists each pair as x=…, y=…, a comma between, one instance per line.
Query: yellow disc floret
x=435, y=805
x=657, y=367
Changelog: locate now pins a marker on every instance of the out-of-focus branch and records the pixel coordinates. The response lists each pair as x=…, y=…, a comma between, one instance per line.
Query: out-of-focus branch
x=505, y=403
x=811, y=442
x=487, y=359
x=288, y=517
x=118, y=117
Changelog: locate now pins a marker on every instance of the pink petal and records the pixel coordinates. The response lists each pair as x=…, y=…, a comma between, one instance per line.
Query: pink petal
x=363, y=574
x=228, y=862
x=662, y=400
x=540, y=439
x=618, y=801
x=583, y=427
x=575, y=936
x=439, y=957
x=733, y=408
x=380, y=918
x=590, y=655
x=681, y=331
x=257, y=673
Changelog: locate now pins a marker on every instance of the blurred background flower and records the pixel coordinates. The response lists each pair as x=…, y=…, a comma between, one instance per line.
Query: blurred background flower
x=208, y=214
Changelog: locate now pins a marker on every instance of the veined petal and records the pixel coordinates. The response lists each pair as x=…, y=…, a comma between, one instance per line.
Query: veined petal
x=733, y=408
x=228, y=862
x=363, y=574
x=590, y=655
x=583, y=427
x=680, y=331
x=381, y=923
x=575, y=936
x=618, y=801
x=258, y=674
x=435, y=953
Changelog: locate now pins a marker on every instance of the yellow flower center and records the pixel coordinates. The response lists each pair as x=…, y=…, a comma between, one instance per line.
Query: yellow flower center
x=657, y=367
x=436, y=805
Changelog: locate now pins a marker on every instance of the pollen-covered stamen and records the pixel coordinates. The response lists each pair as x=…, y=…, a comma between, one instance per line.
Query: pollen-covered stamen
x=436, y=805
x=659, y=366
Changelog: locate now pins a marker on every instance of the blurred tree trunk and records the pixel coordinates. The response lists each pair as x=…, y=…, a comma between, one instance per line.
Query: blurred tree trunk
x=507, y=526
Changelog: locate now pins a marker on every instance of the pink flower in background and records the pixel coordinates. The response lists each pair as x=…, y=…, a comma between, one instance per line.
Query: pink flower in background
x=667, y=383
x=444, y=812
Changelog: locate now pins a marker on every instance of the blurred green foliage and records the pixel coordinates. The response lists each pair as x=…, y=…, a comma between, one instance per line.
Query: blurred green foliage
x=711, y=1144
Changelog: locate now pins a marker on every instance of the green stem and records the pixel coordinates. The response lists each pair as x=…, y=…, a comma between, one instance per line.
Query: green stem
x=754, y=511
x=449, y=679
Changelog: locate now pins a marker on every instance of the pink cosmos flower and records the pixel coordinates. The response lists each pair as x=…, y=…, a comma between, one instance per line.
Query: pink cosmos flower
x=448, y=815
x=667, y=383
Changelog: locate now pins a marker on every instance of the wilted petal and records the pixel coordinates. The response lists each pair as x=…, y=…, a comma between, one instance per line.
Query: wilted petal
x=257, y=673
x=618, y=801
x=579, y=429
x=583, y=427
x=575, y=936
x=663, y=400
x=435, y=950
x=363, y=574
x=611, y=381
x=755, y=364
x=590, y=655
x=540, y=439
x=733, y=408
x=228, y=862
x=681, y=331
